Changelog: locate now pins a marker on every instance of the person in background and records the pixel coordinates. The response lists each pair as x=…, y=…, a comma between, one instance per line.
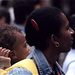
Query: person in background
x=4, y=16
x=47, y=29
x=69, y=63
x=13, y=43
x=22, y=8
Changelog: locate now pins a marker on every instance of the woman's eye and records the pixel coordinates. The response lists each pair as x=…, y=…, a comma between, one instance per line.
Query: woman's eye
x=68, y=28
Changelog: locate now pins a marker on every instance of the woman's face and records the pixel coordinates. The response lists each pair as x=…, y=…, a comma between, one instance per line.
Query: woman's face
x=65, y=38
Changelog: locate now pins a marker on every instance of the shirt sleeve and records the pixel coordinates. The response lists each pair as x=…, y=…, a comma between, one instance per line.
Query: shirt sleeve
x=19, y=71
x=71, y=69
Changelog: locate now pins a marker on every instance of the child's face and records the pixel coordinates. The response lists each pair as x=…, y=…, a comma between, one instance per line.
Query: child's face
x=20, y=48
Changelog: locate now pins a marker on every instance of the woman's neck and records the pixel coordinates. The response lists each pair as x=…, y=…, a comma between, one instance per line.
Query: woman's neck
x=51, y=56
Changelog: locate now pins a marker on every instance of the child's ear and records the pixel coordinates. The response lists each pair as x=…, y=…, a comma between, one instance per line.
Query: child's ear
x=12, y=55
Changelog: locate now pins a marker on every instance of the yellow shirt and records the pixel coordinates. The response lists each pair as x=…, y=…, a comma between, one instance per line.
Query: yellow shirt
x=26, y=63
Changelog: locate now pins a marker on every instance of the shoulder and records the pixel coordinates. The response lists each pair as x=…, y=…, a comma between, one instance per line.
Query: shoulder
x=19, y=71
x=72, y=65
x=71, y=69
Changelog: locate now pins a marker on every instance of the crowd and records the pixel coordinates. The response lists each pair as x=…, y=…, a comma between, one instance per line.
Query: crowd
x=33, y=36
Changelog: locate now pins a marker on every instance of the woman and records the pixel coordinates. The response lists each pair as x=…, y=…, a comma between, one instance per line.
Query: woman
x=48, y=30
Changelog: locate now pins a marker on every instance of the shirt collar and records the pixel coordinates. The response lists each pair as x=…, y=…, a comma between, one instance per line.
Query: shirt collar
x=41, y=62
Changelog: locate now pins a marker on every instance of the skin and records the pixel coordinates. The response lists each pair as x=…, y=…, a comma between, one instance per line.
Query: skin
x=37, y=6
x=21, y=51
x=2, y=20
x=4, y=52
x=64, y=40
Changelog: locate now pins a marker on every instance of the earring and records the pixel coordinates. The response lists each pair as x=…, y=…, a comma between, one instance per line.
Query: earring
x=57, y=45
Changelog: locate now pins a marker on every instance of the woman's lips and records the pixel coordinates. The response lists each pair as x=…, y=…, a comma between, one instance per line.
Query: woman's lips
x=72, y=41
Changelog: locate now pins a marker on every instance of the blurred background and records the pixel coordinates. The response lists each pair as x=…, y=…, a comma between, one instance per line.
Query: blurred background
x=67, y=6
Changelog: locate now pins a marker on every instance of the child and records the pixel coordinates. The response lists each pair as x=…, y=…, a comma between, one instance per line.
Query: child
x=14, y=40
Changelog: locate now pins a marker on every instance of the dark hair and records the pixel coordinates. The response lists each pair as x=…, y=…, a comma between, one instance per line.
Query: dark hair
x=23, y=8
x=34, y=2
x=5, y=13
x=31, y=4
x=49, y=21
x=5, y=3
x=72, y=25
x=8, y=36
x=19, y=11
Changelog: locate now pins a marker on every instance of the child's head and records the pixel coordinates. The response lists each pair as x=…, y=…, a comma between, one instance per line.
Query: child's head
x=13, y=39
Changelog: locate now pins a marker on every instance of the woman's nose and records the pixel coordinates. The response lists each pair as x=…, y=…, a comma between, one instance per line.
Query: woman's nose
x=72, y=31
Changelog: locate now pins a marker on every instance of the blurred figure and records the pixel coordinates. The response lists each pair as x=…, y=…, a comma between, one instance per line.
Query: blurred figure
x=72, y=6
x=57, y=3
x=33, y=4
x=22, y=8
x=4, y=16
x=69, y=63
x=5, y=3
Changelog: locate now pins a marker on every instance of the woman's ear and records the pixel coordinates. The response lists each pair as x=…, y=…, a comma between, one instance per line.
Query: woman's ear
x=12, y=55
x=54, y=40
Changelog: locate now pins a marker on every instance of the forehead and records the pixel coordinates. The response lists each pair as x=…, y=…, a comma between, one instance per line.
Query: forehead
x=65, y=21
x=20, y=36
x=64, y=18
x=20, y=39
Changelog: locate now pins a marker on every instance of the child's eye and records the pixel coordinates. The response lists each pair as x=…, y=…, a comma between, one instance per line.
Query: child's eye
x=25, y=45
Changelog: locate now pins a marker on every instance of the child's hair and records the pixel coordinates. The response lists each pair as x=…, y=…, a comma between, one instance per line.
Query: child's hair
x=8, y=36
